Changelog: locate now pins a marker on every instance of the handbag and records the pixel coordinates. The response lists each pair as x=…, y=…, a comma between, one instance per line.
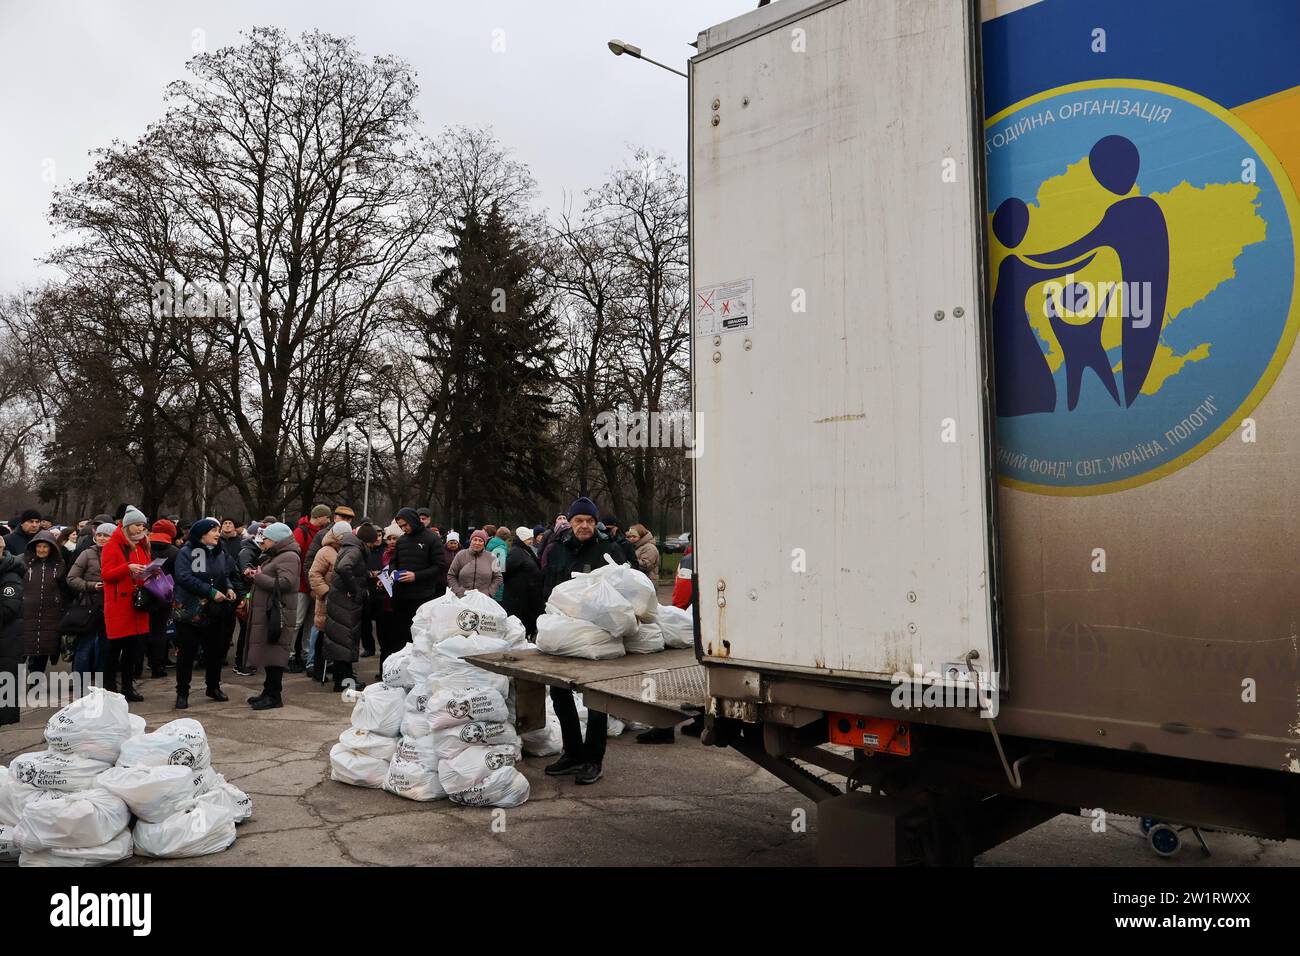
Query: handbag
x=243, y=608
x=141, y=599
x=193, y=614
x=76, y=620
x=274, y=616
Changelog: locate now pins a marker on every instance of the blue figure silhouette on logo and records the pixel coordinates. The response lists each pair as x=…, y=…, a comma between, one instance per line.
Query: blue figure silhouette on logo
x=1134, y=228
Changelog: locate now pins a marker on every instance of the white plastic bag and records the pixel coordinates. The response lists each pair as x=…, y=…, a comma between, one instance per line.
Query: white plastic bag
x=118, y=848
x=379, y=710
x=229, y=797
x=451, y=706
x=371, y=744
x=152, y=793
x=191, y=733
x=415, y=717
x=571, y=637
x=13, y=797
x=47, y=770
x=8, y=848
x=450, y=670
x=207, y=827
x=450, y=742
x=436, y=619
x=355, y=768
x=633, y=585
x=473, y=765
x=418, y=750
x=479, y=614
x=546, y=740
x=504, y=787
x=592, y=598
x=677, y=627
x=71, y=820
x=181, y=743
x=411, y=780
x=396, y=670
x=92, y=726
x=648, y=639
x=516, y=634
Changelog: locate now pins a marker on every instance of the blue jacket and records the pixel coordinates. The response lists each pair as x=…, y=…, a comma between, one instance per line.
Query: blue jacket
x=200, y=572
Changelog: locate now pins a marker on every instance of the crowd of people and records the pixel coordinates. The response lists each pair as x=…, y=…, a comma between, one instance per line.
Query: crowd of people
x=116, y=595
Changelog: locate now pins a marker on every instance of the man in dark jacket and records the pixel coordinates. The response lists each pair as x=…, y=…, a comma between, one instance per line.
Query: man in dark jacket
x=523, y=581
x=420, y=567
x=12, y=572
x=580, y=547
x=345, y=608
x=29, y=525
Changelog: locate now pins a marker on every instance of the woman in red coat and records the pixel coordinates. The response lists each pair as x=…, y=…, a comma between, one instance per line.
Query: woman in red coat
x=125, y=556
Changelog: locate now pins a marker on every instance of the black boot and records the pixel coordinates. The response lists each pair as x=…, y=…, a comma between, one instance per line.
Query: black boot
x=265, y=703
x=182, y=700
x=216, y=694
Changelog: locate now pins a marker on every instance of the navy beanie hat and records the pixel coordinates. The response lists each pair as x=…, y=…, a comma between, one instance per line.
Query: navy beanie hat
x=582, y=506
x=199, y=529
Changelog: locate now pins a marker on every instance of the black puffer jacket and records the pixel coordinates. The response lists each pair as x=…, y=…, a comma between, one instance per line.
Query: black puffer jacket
x=12, y=573
x=349, y=591
x=45, y=597
x=421, y=552
x=523, y=585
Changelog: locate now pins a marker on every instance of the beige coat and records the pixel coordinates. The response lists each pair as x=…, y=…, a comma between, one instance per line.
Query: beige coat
x=647, y=556
x=321, y=574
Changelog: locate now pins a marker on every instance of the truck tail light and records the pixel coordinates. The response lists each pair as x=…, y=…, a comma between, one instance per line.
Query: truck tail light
x=878, y=734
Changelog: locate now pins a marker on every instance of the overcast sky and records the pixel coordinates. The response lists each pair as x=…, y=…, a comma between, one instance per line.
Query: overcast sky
x=76, y=75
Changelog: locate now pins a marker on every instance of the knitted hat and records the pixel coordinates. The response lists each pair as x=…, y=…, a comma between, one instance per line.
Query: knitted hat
x=106, y=527
x=524, y=533
x=453, y=536
x=340, y=528
x=133, y=515
x=164, y=532
x=320, y=511
x=479, y=535
x=393, y=531
x=197, y=530
x=278, y=532
x=31, y=514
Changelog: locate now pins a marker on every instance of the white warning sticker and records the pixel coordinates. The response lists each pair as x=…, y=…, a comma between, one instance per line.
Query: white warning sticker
x=728, y=307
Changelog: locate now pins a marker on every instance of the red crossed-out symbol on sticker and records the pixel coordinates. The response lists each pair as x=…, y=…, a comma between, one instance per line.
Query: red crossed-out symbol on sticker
x=707, y=300
x=726, y=306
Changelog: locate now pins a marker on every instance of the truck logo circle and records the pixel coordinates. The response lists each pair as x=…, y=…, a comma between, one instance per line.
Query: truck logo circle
x=1142, y=267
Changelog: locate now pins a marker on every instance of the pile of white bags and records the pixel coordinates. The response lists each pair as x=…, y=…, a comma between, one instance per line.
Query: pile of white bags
x=71, y=806
x=570, y=637
x=183, y=807
x=364, y=751
x=648, y=639
x=594, y=599
x=634, y=585
x=443, y=714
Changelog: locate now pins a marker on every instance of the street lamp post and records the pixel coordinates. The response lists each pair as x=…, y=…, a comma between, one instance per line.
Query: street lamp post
x=619, y=47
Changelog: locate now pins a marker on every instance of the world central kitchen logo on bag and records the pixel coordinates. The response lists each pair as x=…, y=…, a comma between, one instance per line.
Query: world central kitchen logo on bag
x=1143, y=277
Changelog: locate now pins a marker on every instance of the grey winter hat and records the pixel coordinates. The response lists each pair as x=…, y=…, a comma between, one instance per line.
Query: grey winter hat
x=106, y=528
x=134, y=516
